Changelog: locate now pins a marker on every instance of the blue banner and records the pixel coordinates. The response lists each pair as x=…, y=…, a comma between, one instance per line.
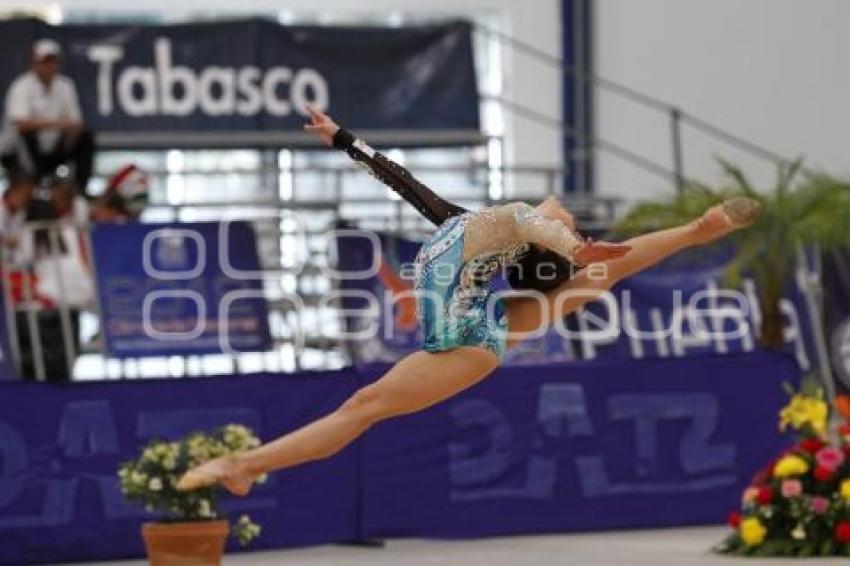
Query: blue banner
x=245, y=82
x=180, y=289
x=591, y=445
x=678, y=308
x=595, y=445
x=60, y=447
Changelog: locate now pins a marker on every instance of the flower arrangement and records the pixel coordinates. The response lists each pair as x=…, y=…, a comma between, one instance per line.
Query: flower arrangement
x=151, y=478
x=799, y=504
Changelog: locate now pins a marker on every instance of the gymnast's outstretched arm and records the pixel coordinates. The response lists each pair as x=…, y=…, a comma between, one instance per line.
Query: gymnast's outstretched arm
x=436, y=209
x=540, y=268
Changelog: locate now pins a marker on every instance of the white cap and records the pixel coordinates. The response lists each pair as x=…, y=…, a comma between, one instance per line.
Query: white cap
x=44, y=48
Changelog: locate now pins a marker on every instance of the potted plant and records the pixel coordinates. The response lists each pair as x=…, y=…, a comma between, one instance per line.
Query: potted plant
x=191, y=529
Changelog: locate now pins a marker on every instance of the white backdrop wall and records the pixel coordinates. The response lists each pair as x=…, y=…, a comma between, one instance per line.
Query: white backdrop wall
x=526, y=81
x=774, y=71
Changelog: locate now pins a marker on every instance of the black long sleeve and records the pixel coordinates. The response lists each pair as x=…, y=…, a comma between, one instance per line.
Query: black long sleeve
x=437, y=210
x=539, y=269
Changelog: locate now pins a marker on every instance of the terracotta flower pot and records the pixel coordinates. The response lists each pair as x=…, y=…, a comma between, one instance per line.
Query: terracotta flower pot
x=198, y=543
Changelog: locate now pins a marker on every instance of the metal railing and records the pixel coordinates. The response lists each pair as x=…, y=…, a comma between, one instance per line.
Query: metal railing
x=323, y=349
x=676, y=116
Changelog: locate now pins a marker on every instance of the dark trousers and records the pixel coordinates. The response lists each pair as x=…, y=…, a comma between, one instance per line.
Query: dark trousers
x=52, y=344
x=76, y=152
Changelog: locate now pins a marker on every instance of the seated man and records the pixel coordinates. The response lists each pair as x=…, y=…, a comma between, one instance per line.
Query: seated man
x=44, y=124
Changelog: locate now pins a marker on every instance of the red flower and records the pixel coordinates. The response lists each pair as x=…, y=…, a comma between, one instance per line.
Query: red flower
x=842, y=531
x=765, y=495
x=811, y=445
x=823, y=474
x=734, y=519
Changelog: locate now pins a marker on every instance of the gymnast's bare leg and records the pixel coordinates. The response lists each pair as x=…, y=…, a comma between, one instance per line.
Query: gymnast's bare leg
x=408, y=387
x=424, y=379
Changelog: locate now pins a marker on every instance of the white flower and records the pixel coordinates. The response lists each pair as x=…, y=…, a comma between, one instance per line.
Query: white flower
x=155, y=484
x=204, y=508
x=138, y=478
x=239, y=437
x=200, y=448
x=240, y=430
x=246, y=530
x=799, y=533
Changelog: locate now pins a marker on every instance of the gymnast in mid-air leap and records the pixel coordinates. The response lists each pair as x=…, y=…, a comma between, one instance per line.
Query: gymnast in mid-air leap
x=466, y=325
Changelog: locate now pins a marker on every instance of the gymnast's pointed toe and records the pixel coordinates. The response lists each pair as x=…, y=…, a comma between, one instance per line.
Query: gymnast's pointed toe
x=742, y=211
x=195, y=479
x=226, y=471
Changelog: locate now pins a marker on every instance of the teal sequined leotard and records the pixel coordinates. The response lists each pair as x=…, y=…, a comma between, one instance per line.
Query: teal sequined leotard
x=457, y=306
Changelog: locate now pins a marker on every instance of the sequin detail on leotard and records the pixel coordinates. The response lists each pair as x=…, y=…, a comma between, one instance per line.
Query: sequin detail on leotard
x=457, y=306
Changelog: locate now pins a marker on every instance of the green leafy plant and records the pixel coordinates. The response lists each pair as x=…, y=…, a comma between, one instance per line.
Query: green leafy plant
x=801, y=209
x=150, y=479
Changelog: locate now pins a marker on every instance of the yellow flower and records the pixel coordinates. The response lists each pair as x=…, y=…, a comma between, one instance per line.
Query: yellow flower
x=752, y=531
x=803, y=410
x=790, y=465
x=845, y=489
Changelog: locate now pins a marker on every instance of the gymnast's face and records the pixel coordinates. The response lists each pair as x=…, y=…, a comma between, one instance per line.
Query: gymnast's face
x=553, y=209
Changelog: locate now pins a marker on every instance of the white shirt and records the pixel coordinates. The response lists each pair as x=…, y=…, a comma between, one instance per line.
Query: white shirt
x=66, y=277
x=28, y=98
x=12, y=227
x=11, y=223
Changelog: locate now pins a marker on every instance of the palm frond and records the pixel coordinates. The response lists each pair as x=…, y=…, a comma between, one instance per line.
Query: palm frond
x=820, y=213
x=808, y=208
x=747, y=251
x=786, y=175
x=674, y=211
x=733, y=172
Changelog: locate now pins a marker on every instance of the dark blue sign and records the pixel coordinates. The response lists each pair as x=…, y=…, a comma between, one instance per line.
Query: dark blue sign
x=60, y=448
x=677, y=308
x=189, y=288
x=591, y=445
x=246, y=82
